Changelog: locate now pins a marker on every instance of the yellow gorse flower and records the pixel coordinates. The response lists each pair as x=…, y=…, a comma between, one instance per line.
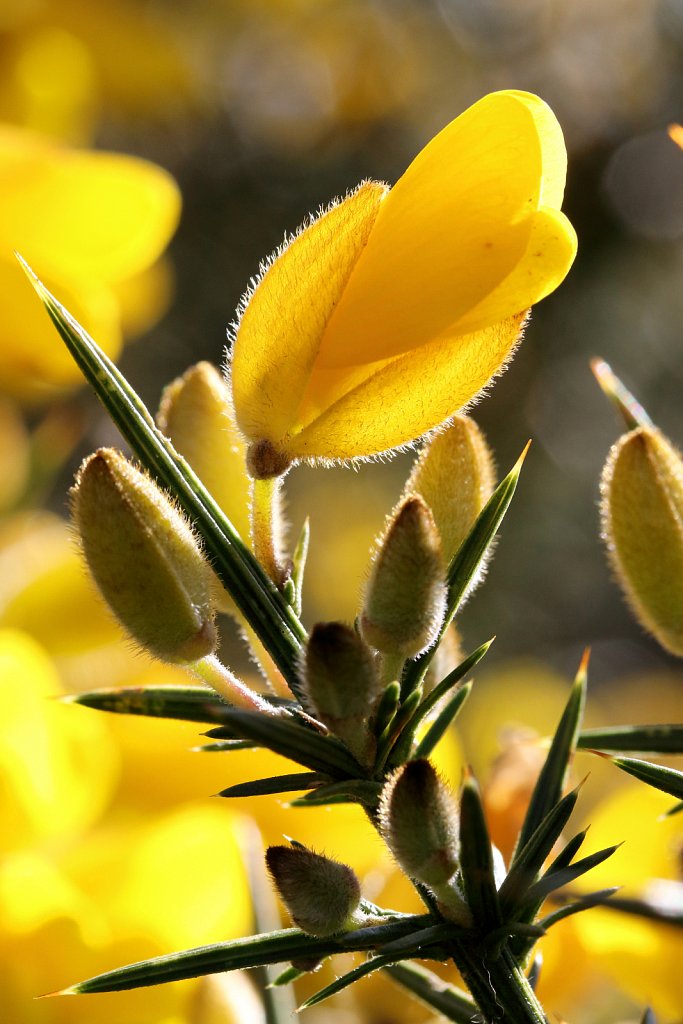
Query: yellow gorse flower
x=394, y=308
x=94, y=224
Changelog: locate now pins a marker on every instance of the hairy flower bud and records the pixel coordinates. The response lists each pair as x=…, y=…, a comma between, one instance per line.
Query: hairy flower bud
x=196, y=414
x=405, y=599
x=342, y=684
x=642, y=522
x=321, y=895
x=419, y=822
x=455, y=476
x=144, y=558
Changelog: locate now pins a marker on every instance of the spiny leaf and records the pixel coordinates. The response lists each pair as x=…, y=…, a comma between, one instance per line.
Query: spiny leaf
x=186, y=703
x=476, y=858
x=409, y=945
x=309, y=748
x=253, y=951
x=551, y=781
x=429, y=988
x=668, y=780
x=357, y=791
x=513, y=893
x=433, y=698
x=256, y=596
x=443, y=720
x=591, y=899
x=663, y=911
x=373, y=964
x=275, y=784
x=224, y=746
x=642, y=739
x=556, y=879
x=286, y=977
x=566, y=855
x=633, y=413
x=465, y=565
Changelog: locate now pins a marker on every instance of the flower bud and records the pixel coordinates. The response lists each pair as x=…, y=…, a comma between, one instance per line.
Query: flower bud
x=342, y=684
x=419, y=822
x=455, y=476
x=144, y=558
x=196, y=414
x=642, y=523
x=321, y=895
x=405, y=599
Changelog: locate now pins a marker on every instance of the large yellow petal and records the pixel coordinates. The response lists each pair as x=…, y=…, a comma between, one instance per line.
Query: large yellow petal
x=454, y=226
x=83, y=214
x=407, y=396
x=283, y=322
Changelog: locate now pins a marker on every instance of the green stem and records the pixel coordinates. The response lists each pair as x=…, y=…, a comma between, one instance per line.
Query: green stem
x=265, y=529
x=498, y=986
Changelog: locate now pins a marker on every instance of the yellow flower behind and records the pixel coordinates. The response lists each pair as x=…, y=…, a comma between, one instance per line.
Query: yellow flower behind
x=92, y=223
x=395, y=308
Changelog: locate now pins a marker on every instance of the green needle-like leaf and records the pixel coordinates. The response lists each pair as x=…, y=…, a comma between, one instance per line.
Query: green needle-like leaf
x=641, y=739
x=669, y=780
x=466, y=564
x=513, y=893
x=432, y=699
x=591, y=899
x=357, y=791
x=476, y=858
x=443, y=720
x=254, y=951
x=281, y=735
x=186, y=703
x=410, y=945
x=566, y=856
x=553, y=880
x=275, y=784
x=373, y=964
x=433, y=991
x=256, y=596
x=551, y=781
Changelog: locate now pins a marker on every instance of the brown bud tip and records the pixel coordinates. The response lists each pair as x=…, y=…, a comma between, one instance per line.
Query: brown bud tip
x=320, y=894
x=264, y=461
x=144, y=558
x=419, y=822
x=405, y=599
x=642, y=521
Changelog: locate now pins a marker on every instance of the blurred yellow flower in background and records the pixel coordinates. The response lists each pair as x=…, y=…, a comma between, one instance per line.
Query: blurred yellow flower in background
x=94, y=223
x=427, y=282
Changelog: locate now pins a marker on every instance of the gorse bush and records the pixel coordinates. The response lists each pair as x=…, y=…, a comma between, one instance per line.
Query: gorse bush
x=370, y=329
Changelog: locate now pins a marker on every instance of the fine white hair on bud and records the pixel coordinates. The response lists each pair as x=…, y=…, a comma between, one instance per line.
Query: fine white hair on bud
x=642, y=524
x=144, y=558
x=405, y=598
x=321, y=895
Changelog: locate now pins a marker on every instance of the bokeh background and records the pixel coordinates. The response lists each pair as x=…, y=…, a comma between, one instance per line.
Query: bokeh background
x=262, y=112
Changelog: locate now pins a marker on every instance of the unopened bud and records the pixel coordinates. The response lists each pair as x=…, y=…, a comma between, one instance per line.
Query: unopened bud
x=196, y=414
x=419, y=822
x=321, y=895
x=642, y=522
x=342, y=684
x=144, y=558
x=405, y=599
x=455, y=476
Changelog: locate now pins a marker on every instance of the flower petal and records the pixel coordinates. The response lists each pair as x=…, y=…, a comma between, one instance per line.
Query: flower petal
x=408, y=396
x=454, y=226
x=284, y=319
x=79, y=214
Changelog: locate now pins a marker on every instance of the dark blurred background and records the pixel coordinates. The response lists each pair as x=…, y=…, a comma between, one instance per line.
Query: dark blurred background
x=266, y=110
